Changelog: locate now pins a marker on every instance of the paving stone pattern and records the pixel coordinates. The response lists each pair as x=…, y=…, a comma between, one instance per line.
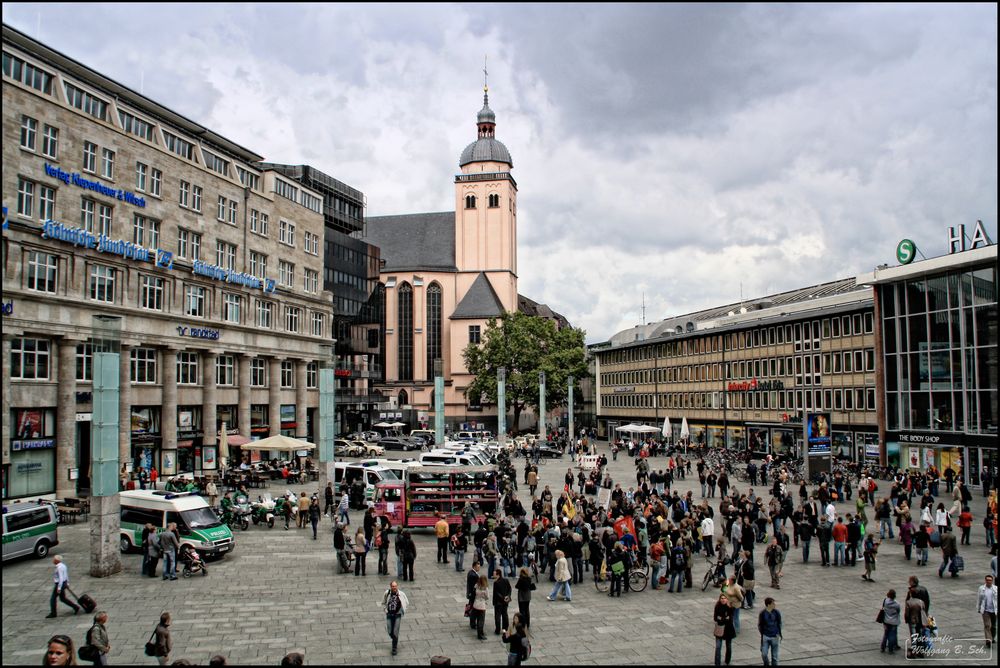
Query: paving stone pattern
x=278, y=593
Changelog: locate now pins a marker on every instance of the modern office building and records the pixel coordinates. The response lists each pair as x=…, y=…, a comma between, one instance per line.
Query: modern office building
x=937, y=343
x=351, y=273
x=745, y=374
x=115, y=205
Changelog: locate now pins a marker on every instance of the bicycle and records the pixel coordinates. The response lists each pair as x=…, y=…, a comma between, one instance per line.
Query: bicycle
x=715, y=575
x=637, y=579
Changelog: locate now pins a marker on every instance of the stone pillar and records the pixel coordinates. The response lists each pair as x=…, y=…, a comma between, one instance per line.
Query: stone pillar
x=208, y=401
x=105, y=534
x=66, y=419
x=301, y=395
x=244, y=400
x=274, y=395
x=125, y=405
x=5, y=423
x=168, y=410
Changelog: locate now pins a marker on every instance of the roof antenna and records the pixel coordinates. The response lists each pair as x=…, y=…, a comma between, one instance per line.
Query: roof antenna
x=643, y=308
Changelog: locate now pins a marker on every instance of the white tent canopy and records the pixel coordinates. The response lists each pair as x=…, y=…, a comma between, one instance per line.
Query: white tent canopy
x=637, y=428
x=280, y=443
x=666, y=427
x=628, y=427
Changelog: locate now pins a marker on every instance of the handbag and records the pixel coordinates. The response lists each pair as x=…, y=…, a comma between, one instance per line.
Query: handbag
x=880, y=617
x=468, y=609
x=150, y=645
x=720, y=631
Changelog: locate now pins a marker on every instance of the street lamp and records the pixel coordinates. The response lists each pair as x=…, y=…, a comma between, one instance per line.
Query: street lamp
x=438, y=400
x=541, y=405
x=502, y=405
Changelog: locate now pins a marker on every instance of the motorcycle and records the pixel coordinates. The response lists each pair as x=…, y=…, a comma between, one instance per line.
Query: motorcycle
x=263, y=512
x=242, y=512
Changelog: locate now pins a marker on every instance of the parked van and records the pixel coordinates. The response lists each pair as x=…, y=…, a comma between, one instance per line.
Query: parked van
x=370, y=471
x=29, y=528
x=452, y=458
x=428, y=435
x=197, y=523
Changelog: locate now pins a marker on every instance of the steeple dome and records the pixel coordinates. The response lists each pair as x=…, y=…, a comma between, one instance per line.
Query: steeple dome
x=486, y=148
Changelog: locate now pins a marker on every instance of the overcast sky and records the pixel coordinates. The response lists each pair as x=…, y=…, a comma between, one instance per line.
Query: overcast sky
x=684, y=152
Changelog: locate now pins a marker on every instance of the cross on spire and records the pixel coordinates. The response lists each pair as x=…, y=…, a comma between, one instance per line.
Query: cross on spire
x=486, y=76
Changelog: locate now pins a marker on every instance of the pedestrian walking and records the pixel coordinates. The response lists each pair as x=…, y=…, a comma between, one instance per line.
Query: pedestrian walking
x=480, y=598
x=212, y=490
x=563, y=578
x=151, y=550
x=328, y=506
x=163, y=641
x=97, y=643
x=774, y=556
x=60, y=652
x=724, y=631
x=360, y=552
x=407, y=549
x=949, y=550
x=441, y=530
x=870, y=550
x=314, y=516
x=394, y=604
x=890, y=622
x=60, y=580
x=382, y=541
x=769, y=625
x=517, y=639
x=501, y=599
x=345, y=506
x=169, y=544
x=524, y=587
x=987, y=607
x=459, y=545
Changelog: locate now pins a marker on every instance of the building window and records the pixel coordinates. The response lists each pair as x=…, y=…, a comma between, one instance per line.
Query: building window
x=194, y=301
x=87, y=208
x=311, y=243
x=196, y=198
x=233, y=212
x=143, y=361
x=188, y=245
x=265, y=311
x=312, y=202
x=29, y=131
x=89, y=157
x=286, y=273
x=433, y=327
x=136, y=126
x=287, y=374
x=470, y=201
x=312, y=375
x=140, y=176
x=225, y=370
x=42, y=269
x=286, y=190
x=258, y=222
x=310, y=281
x=145, y=232
x=27, y=74
x=155, y=182
x=29, y=359
x=248, y=179
x=286, y=232
x=183, y=194
x=317, y=324
x=258, y=264
x=494, y=201
x=151, y=292
x=474, y=334
x=108, y=163
x=187, y=367
x=102, y=283
x=225, y=255
x=50, y=142
x=105, y=214
x=215, y=163
x=25, y=197
x=183, y=148
x=220, y=214
x=232, y=307
x=47, y=203
x=404, y=328
x=86, y=102
x=292, y=318
x=258, y=373
x=85, y=362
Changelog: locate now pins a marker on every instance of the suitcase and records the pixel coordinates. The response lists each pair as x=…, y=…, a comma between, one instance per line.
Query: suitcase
x=86, y=602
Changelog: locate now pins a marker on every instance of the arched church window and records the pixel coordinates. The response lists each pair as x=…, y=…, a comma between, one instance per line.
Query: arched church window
x=470, y=201
x=494, y=201
x=404, y=325
x=404, y=399
x=433, y=327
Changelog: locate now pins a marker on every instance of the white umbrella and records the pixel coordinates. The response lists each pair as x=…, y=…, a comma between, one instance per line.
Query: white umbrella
x=383, y=425
x=647, y=429
x=666, y=427
x=280, y=443
x=685, y=433
x=223, y=447
x=628, y=427
x=396, y=425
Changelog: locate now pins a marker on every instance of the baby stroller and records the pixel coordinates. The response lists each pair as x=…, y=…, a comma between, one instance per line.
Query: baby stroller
x=192, y=561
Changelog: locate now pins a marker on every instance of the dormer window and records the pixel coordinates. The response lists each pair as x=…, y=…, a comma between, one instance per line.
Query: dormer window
x=470, y=201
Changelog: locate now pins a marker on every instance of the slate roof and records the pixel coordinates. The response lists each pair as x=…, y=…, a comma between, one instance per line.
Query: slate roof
x=533, y=308
x=486, y=149
x=480, y=301
x=417, y=241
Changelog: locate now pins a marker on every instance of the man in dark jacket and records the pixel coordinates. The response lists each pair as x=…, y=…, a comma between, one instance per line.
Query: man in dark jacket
x=769, y=625
x=853, y=537
x=824, y=532
x=501, y=597
x=470, y=589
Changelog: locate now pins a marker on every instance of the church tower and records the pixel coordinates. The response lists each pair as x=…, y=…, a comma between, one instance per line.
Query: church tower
x=486, y=213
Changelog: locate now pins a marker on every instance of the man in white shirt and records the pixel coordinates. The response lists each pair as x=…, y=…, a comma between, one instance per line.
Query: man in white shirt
x=708, y=534
x=60, y=580
x=987, y=607
x=831, y=513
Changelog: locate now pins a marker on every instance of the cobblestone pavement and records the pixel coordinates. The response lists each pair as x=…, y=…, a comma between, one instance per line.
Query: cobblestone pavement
x=277, y=593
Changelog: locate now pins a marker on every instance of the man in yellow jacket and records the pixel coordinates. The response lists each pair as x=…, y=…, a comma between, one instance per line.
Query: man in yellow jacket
x=441, y=530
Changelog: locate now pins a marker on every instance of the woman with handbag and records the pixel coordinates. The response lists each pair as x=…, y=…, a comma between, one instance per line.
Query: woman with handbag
x=480, y=601
x=889, y=617
x=724, y=630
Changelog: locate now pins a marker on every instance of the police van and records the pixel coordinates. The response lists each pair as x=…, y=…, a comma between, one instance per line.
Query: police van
x=29, y=528
x=197, y=523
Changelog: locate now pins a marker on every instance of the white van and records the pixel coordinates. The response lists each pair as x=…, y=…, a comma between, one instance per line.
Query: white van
x=453, y=458
x=370, y=471
x=29, y=528
x=197, y=523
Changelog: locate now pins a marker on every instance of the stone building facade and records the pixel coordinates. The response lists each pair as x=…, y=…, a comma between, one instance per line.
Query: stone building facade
x=116, y=205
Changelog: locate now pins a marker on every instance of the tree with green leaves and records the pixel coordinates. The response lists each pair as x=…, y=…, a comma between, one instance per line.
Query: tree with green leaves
x=525, y=345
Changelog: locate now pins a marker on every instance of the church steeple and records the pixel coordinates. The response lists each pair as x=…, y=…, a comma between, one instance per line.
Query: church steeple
x=486, y=148
x=486, y=121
